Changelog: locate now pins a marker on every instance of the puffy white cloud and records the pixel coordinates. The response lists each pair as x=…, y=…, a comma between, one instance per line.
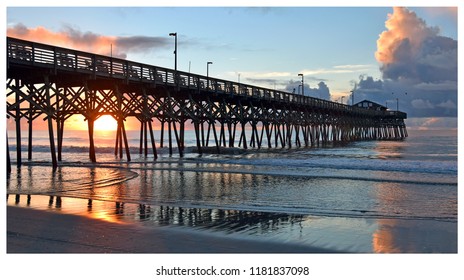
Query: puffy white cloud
x=405, y=33
x=322, y=91
x=409, y=49
x=418, y=66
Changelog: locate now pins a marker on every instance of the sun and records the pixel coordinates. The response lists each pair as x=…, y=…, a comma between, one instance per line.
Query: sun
x=105, y=122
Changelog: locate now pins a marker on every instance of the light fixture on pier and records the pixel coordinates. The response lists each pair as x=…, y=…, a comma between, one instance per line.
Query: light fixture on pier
x=398, y=102
x=175, y=49
x=207, y=70
x=302, y=83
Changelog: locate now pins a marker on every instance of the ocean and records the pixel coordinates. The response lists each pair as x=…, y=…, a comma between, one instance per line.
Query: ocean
x=361, y=197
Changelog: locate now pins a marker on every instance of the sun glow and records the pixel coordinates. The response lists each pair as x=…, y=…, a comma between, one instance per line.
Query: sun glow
x=105, y=122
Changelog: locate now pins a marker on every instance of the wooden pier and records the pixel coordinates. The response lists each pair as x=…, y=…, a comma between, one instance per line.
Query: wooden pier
x=54, y=83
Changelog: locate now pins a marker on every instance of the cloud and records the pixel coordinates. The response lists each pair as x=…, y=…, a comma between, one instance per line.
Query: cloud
x=405, y=32
x=368, y=83
x=322, y=91
x=418, y=66
x=448, y=104
x=70, y=37
x=141, y=43
x=338, y=69
x=262, y=81
x=422, y=104
x=409, y=49
x=431, y=123
x=262, y=75
x=278, y=78
x=354, y=67
x=417, y=100
x=446, y=85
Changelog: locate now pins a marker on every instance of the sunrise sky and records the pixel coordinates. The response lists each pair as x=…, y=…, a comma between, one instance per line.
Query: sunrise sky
x=382, y=53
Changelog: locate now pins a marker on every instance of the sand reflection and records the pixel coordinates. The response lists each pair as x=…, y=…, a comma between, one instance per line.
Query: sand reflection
x=401, y=233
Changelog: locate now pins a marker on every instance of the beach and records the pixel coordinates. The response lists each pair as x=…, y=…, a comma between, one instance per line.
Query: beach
x=49, y=224
x=35, y=231
x=41, y=243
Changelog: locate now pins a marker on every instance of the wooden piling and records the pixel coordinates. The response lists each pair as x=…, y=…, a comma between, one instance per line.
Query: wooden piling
x=162, y=134
x=50, y=123
x=18, y=127
x=141, y=137
x=8, y=160
x=29, y=134
x=170, y=137
x=145, y=137
x=126, y=144
x=90, y=126
x=196, y=125
x=153, y=143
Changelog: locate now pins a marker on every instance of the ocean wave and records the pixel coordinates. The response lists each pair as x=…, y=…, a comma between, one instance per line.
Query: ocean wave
x=440, y=167
x=308, y=174
x=401, y=171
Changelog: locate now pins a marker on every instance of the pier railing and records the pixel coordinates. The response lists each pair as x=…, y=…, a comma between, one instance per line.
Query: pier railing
x=57, y=58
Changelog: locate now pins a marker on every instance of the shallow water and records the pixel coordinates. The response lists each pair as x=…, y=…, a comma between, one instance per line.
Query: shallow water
x=331, y=234
x=375, y=196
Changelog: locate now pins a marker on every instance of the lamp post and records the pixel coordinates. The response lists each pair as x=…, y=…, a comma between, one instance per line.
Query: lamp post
x=175, y=50
x=302, y=83
x=207, y=71
x=397, y=102
x=352, y=97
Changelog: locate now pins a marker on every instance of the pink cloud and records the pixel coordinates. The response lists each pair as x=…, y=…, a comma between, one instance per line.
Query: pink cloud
x=69, y=38
x=402, y=25
x=88, y=41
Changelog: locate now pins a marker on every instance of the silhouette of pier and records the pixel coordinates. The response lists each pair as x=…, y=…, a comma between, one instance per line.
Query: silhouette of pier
x=53, y=83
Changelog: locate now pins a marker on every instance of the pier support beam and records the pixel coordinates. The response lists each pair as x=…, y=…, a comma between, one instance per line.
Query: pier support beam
x=153, y=144
x=90, y=125
x=50, y=122
x=29, y=135
x=126, y=143
x=8, y=160
x=18, y=126
x=120, y=138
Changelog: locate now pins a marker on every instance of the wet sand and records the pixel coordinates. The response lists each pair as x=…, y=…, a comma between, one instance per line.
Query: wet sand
x=37, y=231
